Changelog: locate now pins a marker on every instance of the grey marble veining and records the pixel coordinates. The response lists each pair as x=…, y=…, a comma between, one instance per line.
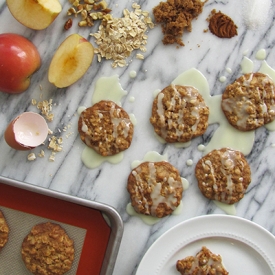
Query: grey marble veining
x=162, y=64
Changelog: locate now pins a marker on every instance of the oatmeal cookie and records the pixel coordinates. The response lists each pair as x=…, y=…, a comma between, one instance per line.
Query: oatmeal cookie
x=47, y=249
x=106, y=128
x=179, y=114
x=249, y=102
x=204, y=263
x=223, y=175
x=155, y=188
x=4, y=231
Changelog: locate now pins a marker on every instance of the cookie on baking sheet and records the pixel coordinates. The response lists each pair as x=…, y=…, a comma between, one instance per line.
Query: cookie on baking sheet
x=47, y=249
x=106, y=128
x=223, y=175
x=249, y=102
x=179, y=114
x=4, y=230
x=204, y=263
x=155, y=188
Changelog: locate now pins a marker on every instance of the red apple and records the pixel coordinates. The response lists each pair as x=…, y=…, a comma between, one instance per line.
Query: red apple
x=19, y=59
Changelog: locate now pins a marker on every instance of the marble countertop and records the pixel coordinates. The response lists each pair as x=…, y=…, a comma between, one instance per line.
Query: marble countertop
x=219, y=60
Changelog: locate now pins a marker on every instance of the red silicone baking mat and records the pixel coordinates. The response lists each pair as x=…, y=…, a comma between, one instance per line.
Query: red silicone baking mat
x=97, y=234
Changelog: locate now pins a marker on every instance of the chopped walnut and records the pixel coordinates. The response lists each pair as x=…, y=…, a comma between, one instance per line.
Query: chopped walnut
x=89, y=11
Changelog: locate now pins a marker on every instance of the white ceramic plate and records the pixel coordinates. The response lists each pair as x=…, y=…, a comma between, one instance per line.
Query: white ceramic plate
x=246, y=248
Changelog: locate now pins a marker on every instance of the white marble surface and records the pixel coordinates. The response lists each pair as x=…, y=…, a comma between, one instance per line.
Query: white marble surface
x=162, y=64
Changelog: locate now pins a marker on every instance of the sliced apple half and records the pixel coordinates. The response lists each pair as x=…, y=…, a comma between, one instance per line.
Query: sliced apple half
x=70, y=61
x=34, y=14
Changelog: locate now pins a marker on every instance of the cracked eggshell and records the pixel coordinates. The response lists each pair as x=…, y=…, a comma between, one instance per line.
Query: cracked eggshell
x=26, y=131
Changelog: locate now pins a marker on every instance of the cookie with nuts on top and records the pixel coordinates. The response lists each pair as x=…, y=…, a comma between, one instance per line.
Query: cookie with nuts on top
x=223, y=175
x=4, y=230
x=249, y=102
x=106, y=127
x=47, y=249
x=155, y=188
x=179, y=114
x=205, y=262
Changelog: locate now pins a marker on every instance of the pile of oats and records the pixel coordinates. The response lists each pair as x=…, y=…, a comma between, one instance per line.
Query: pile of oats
x=117, y=38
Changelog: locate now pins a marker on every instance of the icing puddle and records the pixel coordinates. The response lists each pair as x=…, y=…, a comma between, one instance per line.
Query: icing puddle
x=225, y=135
x=106, y=88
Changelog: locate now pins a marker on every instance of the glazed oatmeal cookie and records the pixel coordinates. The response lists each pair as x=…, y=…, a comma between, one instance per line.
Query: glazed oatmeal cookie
x=4, y=231
x=204, y=263
x=223, y=175
x=155, y=188
x=249, y=102
x=179, y=114
x=47, y=249
x=106, y=128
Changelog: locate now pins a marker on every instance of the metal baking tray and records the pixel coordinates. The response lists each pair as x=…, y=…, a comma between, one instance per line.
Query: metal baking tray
x=103, y=224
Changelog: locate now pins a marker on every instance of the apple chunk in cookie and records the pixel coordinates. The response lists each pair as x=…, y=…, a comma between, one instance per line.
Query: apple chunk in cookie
x=106, y=127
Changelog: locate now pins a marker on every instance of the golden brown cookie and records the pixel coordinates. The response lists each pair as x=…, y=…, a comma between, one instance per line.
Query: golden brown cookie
x=47, y=249
x=179, y=114
x=249, y=102
x=155, y=188
x=4, y=231
x=223, y=175
x=106, y=128
x=204, y=263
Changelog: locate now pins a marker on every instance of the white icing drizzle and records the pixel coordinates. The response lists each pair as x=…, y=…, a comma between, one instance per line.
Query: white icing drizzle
x=177, y=99
x=155, y=189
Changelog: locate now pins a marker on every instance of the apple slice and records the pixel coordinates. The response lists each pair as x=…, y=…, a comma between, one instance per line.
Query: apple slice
x=34, y=14
x=70, y=61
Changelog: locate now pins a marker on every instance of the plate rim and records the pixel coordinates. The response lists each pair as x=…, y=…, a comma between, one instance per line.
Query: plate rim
x=236, y=221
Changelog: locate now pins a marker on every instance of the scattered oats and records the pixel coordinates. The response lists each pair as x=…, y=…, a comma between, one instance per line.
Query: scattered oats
x=65, y=128
x=52, y=156
x=34, y=102
x=117, y=38
x=45, y=107
x=69, y=134
x=50, y=132
x=60, y=140
x=41, y=154
x=55, y=144
x=139, y=56
x=31, y=157
x=40, y=87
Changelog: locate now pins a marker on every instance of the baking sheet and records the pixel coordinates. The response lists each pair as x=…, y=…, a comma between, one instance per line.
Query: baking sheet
x=20, y=224
x=95, y=249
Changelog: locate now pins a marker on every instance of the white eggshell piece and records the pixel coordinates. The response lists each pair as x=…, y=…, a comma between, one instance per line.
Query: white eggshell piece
x=30, y=129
